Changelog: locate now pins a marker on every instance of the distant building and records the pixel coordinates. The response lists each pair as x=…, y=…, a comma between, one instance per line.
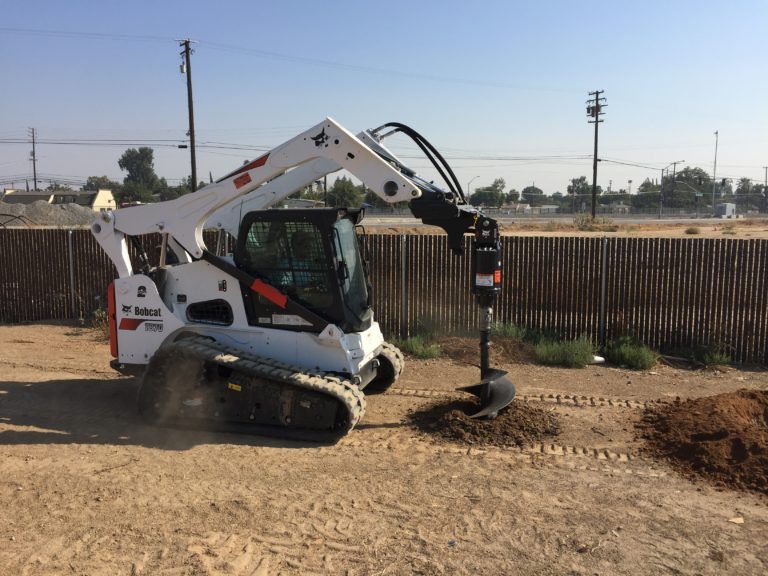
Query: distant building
x=619, y=208
x=13, y=196
x=725, y=210
x=95, y=200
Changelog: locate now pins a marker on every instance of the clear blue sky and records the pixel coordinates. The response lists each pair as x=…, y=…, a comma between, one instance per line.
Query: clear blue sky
x=481, y=80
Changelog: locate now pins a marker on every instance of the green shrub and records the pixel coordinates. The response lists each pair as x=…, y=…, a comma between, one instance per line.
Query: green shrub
x=100, y=321
x=418, y=347
x=511, y=331
x=692, y=230
x=702, y=354
x=584, y=223
x=626, y=351
x=715, y=357
x=569, y=354
x=427, y=328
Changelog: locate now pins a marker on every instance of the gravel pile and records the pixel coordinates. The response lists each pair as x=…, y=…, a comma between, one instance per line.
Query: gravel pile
x=40, y=213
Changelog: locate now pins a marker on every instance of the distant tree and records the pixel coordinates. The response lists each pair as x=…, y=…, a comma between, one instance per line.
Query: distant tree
x=344, y=193
x=579, y=186
x=140, y=165
x=492, y=195
x=135, y=192
x=513, y=195
x=94, y=183
x=56, y=187
x=744, y=187
x=373, y=199
x=532, y=195
x=487, y=197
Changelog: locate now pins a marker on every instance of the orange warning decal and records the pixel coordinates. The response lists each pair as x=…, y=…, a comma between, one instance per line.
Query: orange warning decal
x=241, y=181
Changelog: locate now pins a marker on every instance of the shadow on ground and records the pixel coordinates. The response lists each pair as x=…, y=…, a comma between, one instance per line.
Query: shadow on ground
x=101, y=411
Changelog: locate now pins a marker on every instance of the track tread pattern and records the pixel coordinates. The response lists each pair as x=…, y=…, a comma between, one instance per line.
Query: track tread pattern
x=251, y=365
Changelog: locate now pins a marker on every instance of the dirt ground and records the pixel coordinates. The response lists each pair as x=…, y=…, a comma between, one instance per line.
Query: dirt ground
x=86, y=488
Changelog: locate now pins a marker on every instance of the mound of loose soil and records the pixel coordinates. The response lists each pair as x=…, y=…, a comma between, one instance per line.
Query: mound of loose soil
x=723, y=438
x=518, y=424
x=467, y=350
x=40, y=213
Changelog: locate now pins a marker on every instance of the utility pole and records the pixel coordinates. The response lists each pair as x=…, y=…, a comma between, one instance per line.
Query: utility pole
x=33, y=134
x=595, y=110
x=674, y=173
x=186, y=66
x=714, y=174
x=661, y=186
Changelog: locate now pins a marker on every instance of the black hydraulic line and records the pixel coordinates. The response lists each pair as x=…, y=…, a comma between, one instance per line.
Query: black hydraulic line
x=425, y=145
x=429, y=156
x=143, y=259
x=415, y=136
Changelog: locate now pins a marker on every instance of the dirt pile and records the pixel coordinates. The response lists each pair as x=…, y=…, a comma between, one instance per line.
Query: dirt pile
x=723, y=438
x=40, y=213
x=517, y=425
x=467, y=350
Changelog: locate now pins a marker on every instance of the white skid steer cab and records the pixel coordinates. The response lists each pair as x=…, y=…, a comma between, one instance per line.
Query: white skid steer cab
x=279, y=338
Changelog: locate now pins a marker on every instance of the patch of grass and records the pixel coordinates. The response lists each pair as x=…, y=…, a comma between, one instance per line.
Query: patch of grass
x=510, y=331
x=716, y=358
x=706, y=355
x=550, y=226
x=418, y=347
x=729, y=229
x=585, y=223
x=569, y=353
x=522, y=334
x=100, y=320
x=626, y=351
x=692, y=230
x=426, y=328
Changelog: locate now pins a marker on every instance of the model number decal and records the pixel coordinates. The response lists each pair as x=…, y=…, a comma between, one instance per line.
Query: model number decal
x=153, y=326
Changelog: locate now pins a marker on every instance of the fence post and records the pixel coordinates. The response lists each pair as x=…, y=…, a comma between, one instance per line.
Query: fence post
x=403, y=287
x=70, y=252
x=603, y=289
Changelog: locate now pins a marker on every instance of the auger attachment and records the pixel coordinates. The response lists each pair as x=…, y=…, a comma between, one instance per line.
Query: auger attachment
x=494, y=390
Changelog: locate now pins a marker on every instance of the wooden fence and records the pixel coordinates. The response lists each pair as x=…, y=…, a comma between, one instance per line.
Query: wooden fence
x=669, y=293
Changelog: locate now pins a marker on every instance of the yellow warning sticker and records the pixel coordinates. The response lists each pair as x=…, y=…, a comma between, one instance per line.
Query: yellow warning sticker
x=235, y=387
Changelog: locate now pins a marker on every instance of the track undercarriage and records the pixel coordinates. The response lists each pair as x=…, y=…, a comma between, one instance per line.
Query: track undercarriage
x=197, y=381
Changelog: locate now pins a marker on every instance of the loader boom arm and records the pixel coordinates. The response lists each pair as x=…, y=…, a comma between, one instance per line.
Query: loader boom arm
x=184, y=218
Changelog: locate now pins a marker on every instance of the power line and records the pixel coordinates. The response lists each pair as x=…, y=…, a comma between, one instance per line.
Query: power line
x=284, y=58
